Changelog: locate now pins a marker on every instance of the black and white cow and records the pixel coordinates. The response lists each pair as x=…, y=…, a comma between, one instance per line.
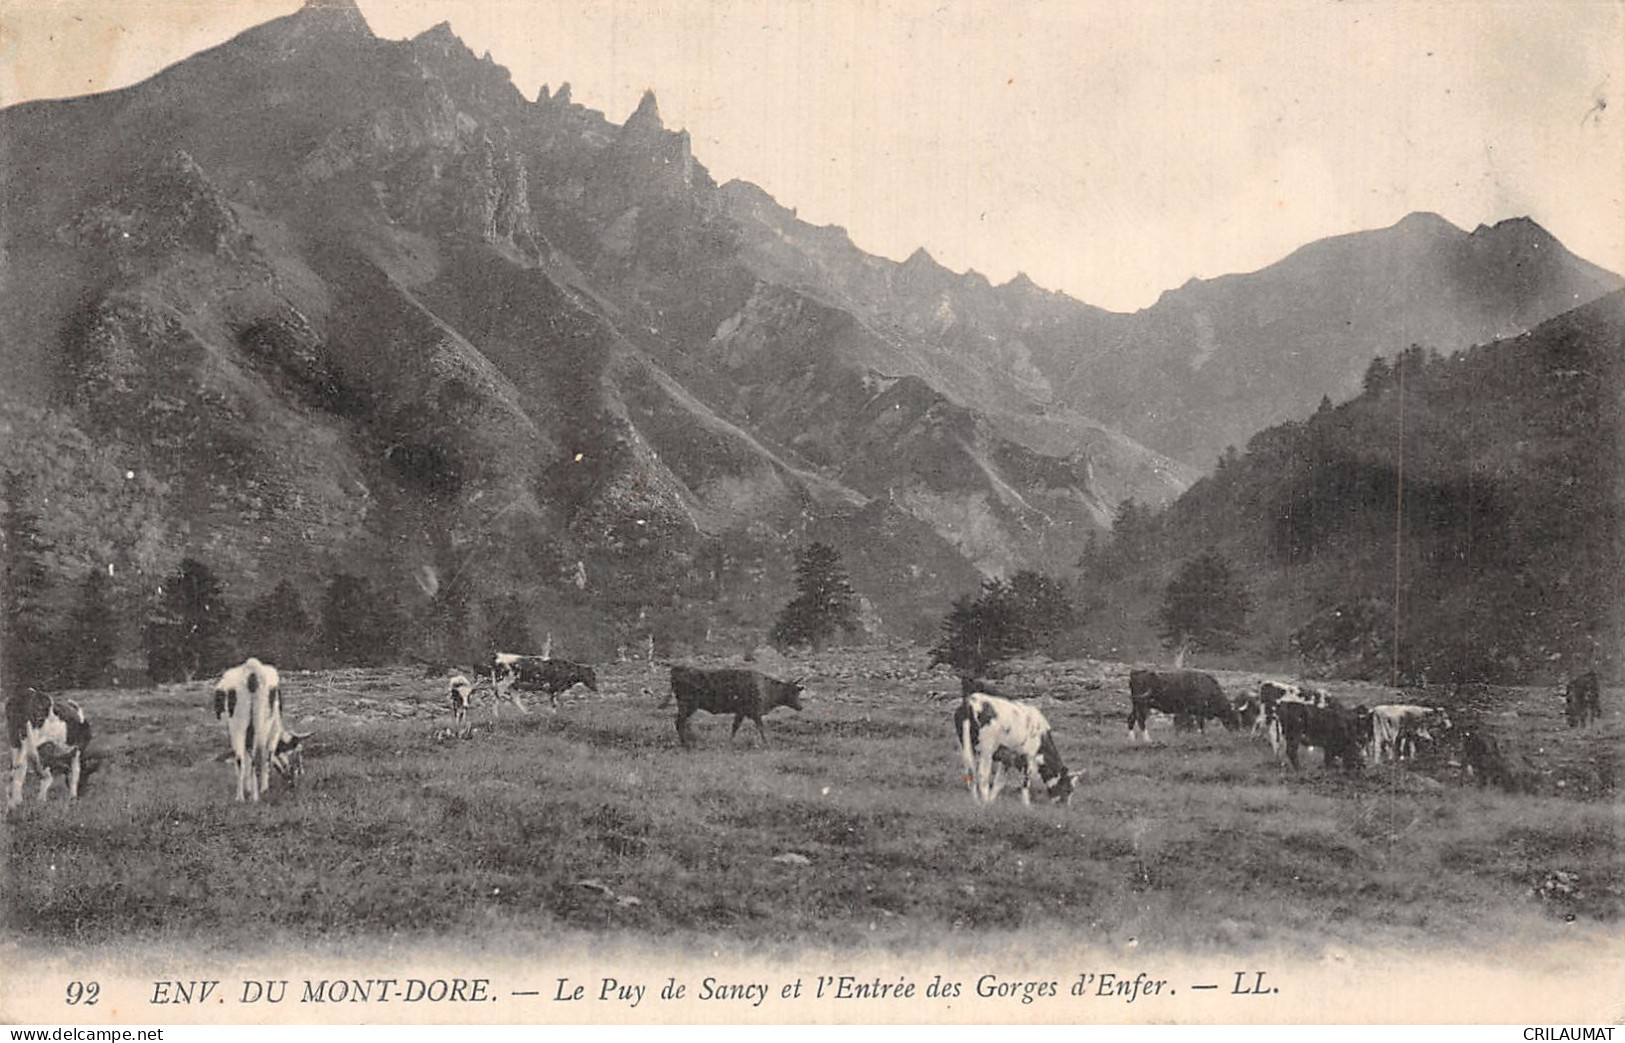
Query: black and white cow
x=1268, y=720
x=736, y=690
x=512, y=673
x=44, y=731
x=1178, y=693
x=995, y=734
x=249, y=697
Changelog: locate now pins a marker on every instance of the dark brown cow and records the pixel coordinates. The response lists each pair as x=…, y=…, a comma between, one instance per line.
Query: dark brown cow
x=741, y=692
x=1342, y=734
x=1178, y=693
x=1489, y=758
x=1582, y=700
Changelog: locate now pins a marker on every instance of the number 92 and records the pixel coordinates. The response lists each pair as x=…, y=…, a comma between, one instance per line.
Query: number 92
x=84, y=992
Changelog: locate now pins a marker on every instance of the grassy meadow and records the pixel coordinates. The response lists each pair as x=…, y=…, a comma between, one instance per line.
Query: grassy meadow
x=852, y=828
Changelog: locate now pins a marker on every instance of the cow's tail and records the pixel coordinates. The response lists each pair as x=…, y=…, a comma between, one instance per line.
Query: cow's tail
x=967, y=748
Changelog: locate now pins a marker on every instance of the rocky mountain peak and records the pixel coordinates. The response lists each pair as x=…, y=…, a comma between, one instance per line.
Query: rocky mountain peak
x=647, y=115
x=340, y=15
x=1514, y=229
x=922, y=261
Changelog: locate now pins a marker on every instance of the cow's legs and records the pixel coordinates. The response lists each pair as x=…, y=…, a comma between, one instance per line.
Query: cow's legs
x=19, y=772
x=739, y=719
x=74, y=766
x=682, y=727
x=760, y=730
x=258, y=773
x=45, y=778
x=991, y=775
x=263, y=761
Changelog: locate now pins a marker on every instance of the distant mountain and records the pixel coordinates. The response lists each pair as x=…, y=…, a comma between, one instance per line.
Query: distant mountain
x=1216, y=360
x=1483, y=489
x=1211, y=362
x=312, y=301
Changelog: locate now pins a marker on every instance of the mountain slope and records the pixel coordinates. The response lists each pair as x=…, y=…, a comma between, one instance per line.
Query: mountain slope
x=1482, y=490
x=335, y=303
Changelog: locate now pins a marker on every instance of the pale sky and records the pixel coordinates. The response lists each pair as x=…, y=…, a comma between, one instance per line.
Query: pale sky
x=1111, y=150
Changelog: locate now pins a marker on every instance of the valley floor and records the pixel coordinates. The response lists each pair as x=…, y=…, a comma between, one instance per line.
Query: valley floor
x=851, y=834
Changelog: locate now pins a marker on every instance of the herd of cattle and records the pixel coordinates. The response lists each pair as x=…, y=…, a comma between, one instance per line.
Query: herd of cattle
x=996, y=735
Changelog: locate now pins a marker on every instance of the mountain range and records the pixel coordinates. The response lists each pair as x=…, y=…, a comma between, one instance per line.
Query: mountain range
x=314, y=301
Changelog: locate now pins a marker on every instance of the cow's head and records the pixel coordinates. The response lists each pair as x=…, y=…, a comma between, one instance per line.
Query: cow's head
x=790, y=693
x=589, y=677
x=1060, y=789
x=461, y=691
x=77, y=725
x=289, y=756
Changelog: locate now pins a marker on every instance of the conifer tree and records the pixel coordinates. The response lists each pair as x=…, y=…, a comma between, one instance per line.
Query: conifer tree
x=282, y=630
x=825, y=603
x=92, y=635
x=189, y=632
x=25, y=656
x=1205, y=606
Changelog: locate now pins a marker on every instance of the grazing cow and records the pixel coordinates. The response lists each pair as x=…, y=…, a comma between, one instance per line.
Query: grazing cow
x=1395, y=729
x=1582, y=700
x=1340, y=733
x=33, y=720
x=512, y=673
x=1270, y=695
x=995, y=734
x=462, y=697
x=249, y=697
x=741, y=692
x=1179, y=693
x=1490, y=759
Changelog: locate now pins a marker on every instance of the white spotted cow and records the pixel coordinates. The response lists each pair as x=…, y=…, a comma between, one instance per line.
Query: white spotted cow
x=35, y=720
x=461, y=691
x=249, y=697
x=996, y=733
x=1270, y=695
x=1395, y=729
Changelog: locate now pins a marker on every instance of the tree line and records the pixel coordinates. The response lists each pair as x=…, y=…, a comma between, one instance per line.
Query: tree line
x=69, y=634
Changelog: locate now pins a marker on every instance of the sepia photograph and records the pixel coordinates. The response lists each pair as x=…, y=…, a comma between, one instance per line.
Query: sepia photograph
x=728, y=512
